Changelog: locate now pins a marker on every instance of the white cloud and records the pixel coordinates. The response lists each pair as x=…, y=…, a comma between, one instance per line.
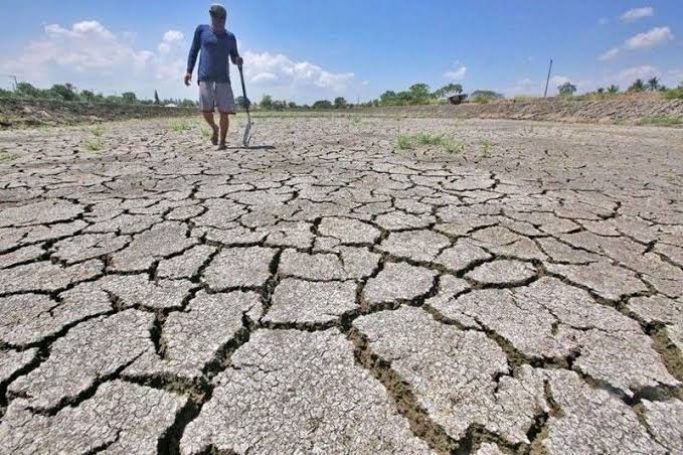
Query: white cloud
x=172, y=39
x=365, y=83
x=559, y=80
x=95, y=58
x=652, y=38
x=609, y=55
x=264, y=67
x=644, y=72
x=264, y=77
x=456, y=75
x=637, y=13
x=674, y=77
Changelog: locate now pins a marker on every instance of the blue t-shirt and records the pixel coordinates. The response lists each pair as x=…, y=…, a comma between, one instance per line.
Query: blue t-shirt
x=216, y=48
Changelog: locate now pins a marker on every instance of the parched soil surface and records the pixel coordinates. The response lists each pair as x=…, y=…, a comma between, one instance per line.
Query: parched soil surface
x=328, y=292
x=621, y=109
x=21, y=113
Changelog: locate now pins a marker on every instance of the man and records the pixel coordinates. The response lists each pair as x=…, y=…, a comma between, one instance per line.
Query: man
x=213, y=75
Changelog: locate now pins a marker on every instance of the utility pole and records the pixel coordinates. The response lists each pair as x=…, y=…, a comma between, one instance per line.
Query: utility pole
x=550, y=69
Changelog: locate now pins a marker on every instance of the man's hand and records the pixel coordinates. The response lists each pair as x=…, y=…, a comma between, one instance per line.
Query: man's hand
x=188, y=79
x=239, y=61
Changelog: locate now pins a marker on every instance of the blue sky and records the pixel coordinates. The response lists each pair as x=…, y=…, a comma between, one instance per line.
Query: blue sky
x=306, y=50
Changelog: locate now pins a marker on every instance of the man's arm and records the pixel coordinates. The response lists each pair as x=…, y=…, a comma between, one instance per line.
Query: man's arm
x=194, y=52
x=234, y=53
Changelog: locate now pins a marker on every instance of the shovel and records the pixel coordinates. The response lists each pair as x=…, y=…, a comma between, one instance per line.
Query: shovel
x=247, y=131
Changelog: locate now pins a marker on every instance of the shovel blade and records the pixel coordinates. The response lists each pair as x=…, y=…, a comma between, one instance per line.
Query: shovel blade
x=247, y=135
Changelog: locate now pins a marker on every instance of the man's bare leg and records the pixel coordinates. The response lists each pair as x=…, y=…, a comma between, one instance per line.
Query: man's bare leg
x=208, y=116
x=225, y=124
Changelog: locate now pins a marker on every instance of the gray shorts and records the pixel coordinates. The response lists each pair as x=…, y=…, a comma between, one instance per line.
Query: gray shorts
x=214, y=95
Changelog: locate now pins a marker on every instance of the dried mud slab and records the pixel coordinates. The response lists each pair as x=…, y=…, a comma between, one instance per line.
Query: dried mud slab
x=120, y=418
x=290, y=391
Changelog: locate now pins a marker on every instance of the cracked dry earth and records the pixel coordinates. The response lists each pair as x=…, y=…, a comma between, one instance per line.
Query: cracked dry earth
x=333, y=294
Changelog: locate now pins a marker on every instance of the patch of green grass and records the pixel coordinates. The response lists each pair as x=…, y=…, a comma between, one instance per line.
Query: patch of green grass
x=428, y=139
x=180, y=126
x=94, y=144
x=674, y=94
x=97, y=130
x=6, y=156
x=454, y=147
x=486, y=148
x=662, y=120
x=404, y=142
x=206, y=134
x=526, y=98
x=355, y=119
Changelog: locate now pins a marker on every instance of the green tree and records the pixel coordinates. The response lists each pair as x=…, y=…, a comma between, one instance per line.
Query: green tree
x=567, y=89
x=340, y=102
x=266, y=102
x=243, y=102
x=613, y=89
x=322, y=104
x=483, y=96
x=388, y=98
x=292, y=105
x=64, y=92
x=653, y=84
x=448, y=90
x=600, y=90
x=129, y=97
x=26, y=90
x=87, y=96
x=637, y=86
x=419, y=94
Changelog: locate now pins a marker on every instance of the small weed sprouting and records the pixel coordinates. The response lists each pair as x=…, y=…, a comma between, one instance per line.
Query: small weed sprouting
x=455, y=147
x=6, y=156
x=427, y=139
x=206, y=134
x=94, y=144
x=404, y=142
x=662, y=120
x=355, y=119
x=97, y=130
x=179, y=126
x=486, y=148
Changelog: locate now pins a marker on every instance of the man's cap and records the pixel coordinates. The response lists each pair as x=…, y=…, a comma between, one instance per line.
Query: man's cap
x=218, y=10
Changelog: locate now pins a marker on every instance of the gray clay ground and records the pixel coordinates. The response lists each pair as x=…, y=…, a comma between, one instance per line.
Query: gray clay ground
x=334, y=294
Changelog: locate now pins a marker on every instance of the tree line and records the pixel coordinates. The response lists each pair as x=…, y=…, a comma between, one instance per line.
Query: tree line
x=416, y=94
x=638, y=86
x=68, y=92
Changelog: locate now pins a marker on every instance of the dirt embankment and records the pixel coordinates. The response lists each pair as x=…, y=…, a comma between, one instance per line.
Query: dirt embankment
x=624, y=109
x=21, y=113
x=638, y=109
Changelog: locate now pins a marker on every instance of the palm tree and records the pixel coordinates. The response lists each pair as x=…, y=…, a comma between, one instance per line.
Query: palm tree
x=653, y=84
x=637, y=86
x=613, y=89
